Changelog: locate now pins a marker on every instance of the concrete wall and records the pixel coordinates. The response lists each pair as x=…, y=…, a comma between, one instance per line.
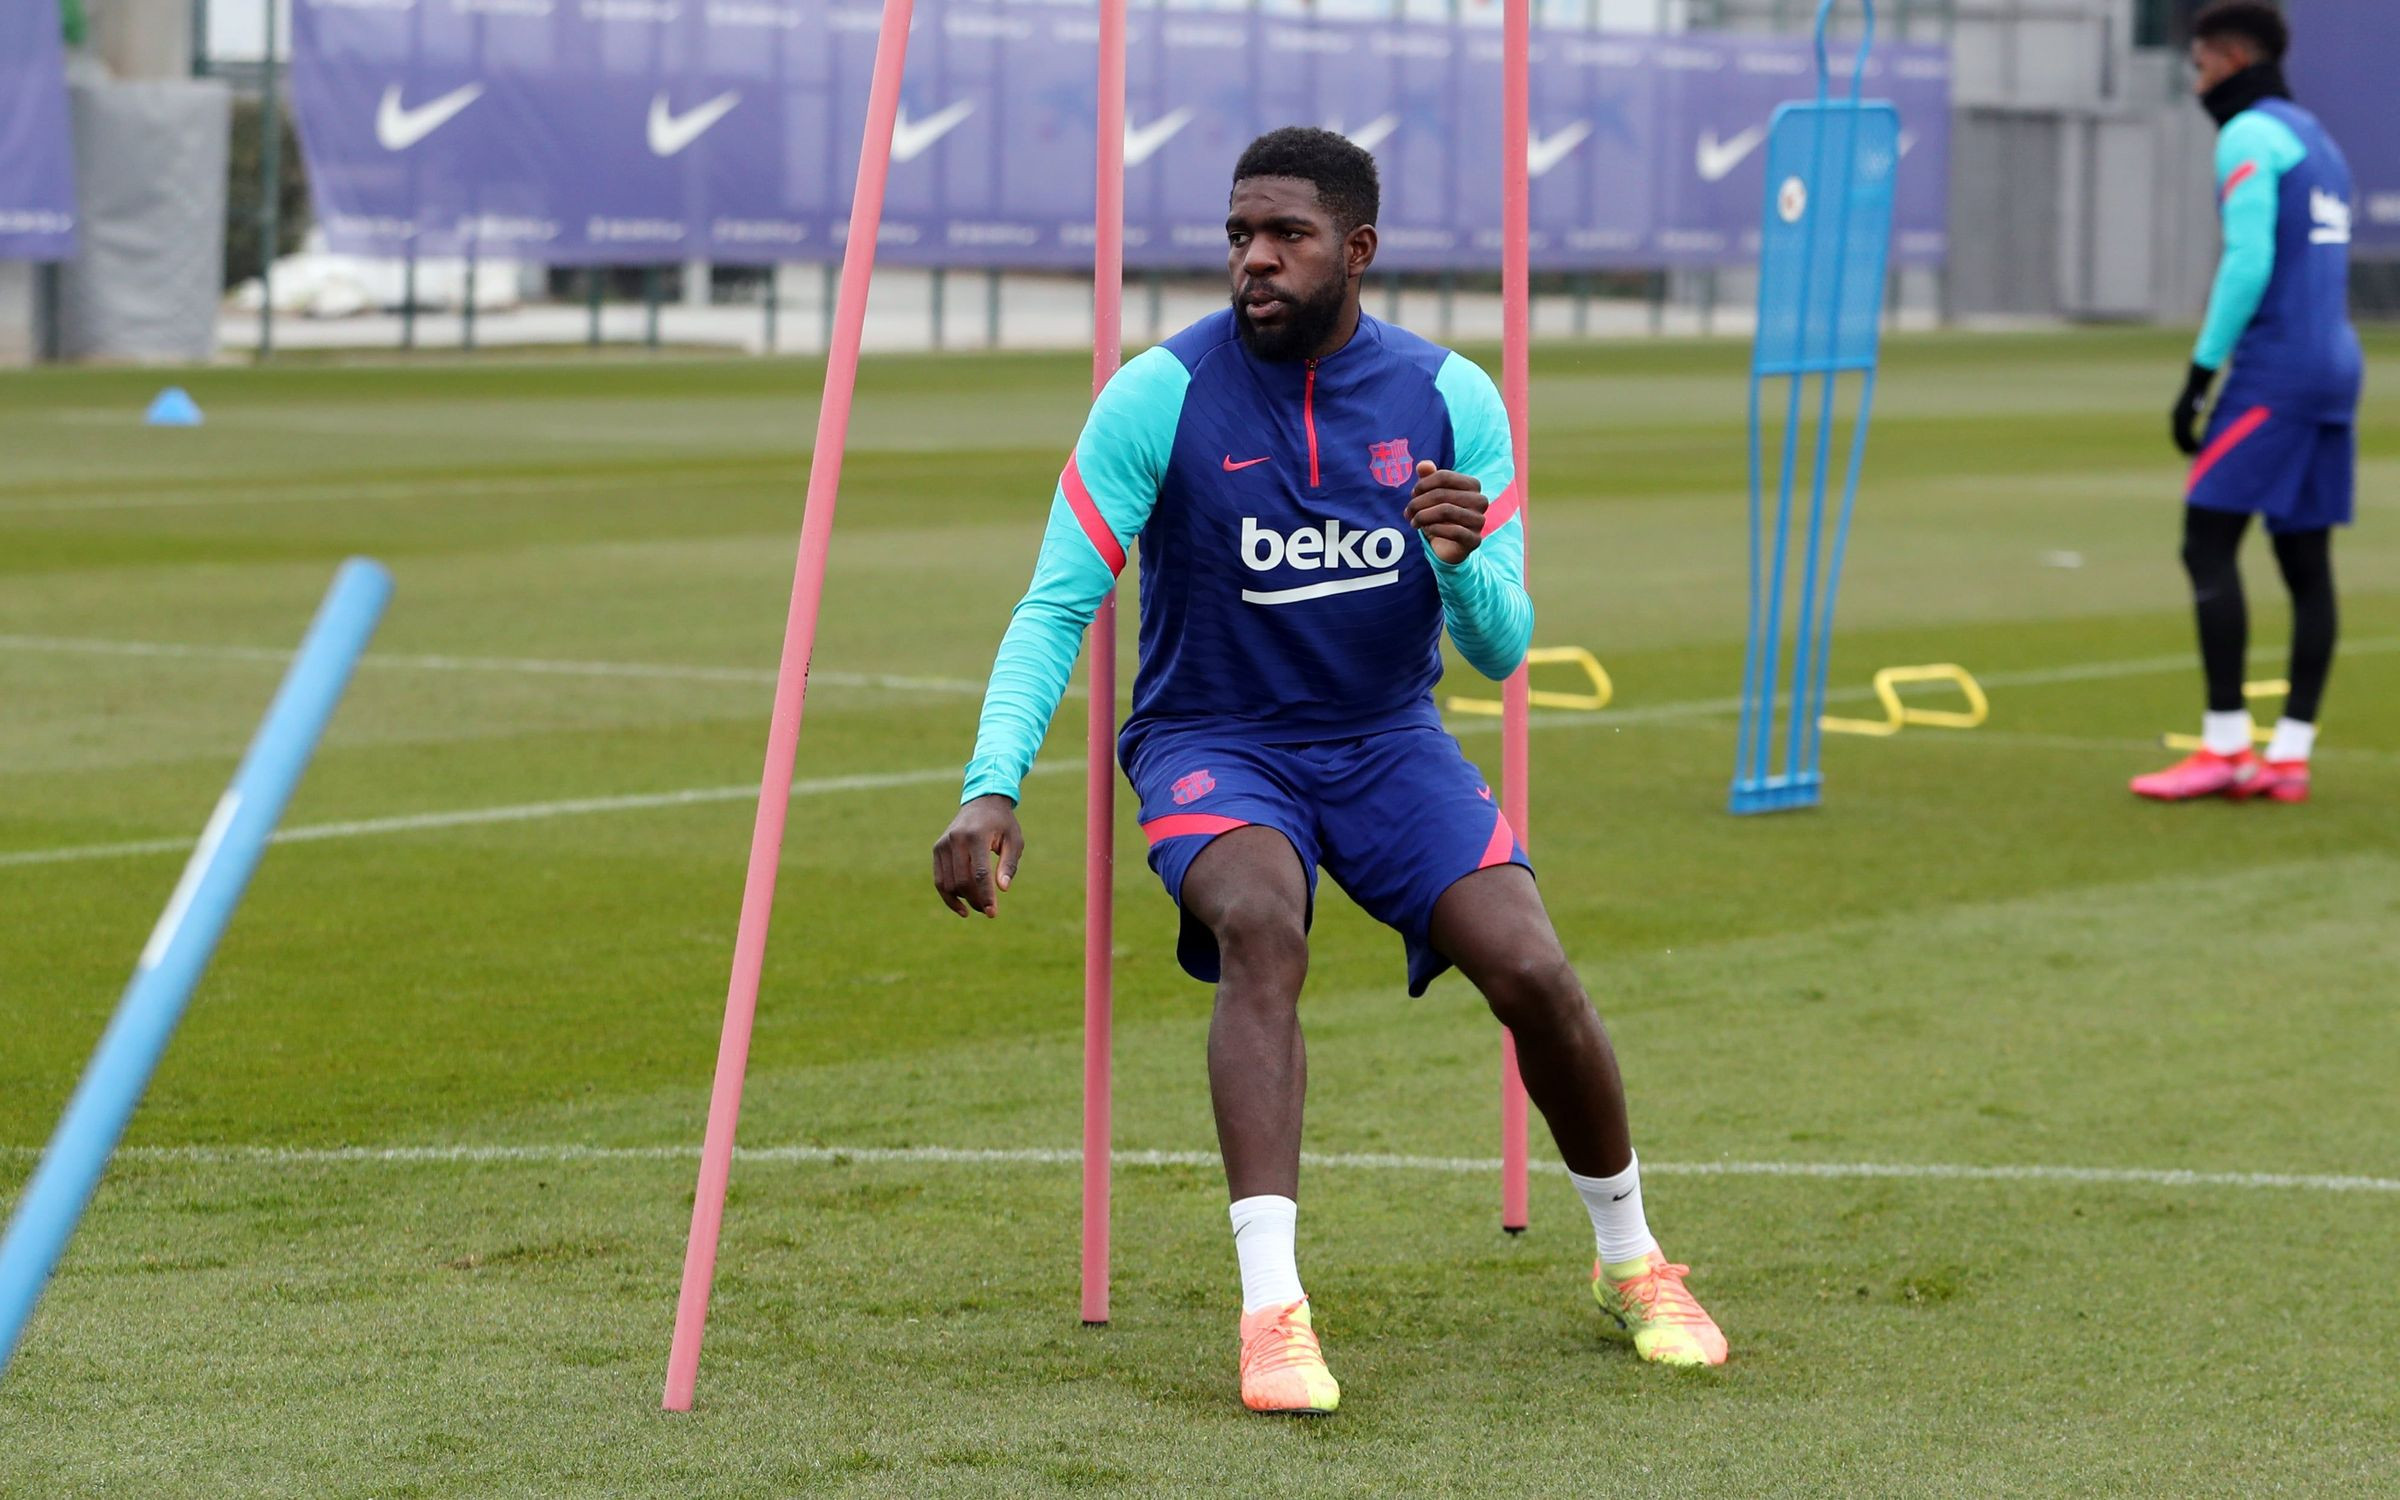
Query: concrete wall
x=2080, y=166
x=2099, y=209
x=138, y=39
x=150, y=201
x=20, y=313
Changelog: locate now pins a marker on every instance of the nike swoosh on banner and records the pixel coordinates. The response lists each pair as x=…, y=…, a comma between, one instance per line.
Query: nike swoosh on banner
x=1370, y=135
x=913, y=138
x=670, y=132
x=1544, y=152
x=1319, y=590
x=1143, y=143
x=398, y=128
x=1233, y=468
x=1717, y=159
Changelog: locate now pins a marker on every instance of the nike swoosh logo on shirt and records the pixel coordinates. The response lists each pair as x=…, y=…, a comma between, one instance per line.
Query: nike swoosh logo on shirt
x=398, y=128
x=1231, y=466
x=670, y=132
x=913, y=138
x=1716, y=159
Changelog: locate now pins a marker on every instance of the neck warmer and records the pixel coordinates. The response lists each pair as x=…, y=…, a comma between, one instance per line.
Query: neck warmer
x=2244, y=89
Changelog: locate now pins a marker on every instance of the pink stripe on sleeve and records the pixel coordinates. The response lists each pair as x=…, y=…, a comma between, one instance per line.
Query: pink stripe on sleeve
x=1502, y=510
x=1176, y=825
x=1087, y=514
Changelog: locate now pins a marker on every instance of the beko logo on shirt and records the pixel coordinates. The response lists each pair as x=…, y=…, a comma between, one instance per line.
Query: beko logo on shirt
x=1311, y=548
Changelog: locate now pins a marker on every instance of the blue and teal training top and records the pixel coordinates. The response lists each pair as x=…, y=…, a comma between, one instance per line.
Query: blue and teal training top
x=2280, y=309
x=1284, y=596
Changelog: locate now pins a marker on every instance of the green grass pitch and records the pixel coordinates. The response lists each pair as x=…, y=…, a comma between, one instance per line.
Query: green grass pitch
x=509, y=923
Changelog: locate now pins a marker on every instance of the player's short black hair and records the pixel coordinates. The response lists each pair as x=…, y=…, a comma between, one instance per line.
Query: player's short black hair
x=1344, y=174
x=2254, y=21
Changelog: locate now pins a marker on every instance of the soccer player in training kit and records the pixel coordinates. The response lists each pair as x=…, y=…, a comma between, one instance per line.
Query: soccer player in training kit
x=1273, y=459
x=2282, y=440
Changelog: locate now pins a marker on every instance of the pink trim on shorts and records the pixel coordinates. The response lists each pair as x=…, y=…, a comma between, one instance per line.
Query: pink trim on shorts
x=1177, y=825
x=1503, y=846
x=2228, y=440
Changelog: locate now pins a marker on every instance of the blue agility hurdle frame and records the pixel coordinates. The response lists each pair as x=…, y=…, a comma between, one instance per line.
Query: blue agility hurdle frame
x=1824, y=238
x=180, y=946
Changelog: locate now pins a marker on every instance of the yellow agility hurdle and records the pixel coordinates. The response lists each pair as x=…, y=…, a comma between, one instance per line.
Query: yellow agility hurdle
x=2272, y=687
x=1602, y=690
x=1898, y=715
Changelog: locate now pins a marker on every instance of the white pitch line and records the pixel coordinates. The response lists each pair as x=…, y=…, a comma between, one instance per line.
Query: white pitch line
x=531, y=666
x=1696, y=708
x=563, y=1155
x=427, y=488
x=573, y=807
x=523, y=812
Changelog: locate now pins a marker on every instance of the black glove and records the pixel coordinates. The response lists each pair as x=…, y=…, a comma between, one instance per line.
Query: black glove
x=2186, y=422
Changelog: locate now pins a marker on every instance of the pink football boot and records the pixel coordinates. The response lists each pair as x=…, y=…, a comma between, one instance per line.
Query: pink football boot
x=2204, y=773
x=2278, y=781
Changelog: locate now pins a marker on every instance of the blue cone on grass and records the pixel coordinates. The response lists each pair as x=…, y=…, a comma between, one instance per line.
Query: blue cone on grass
x=173, y=407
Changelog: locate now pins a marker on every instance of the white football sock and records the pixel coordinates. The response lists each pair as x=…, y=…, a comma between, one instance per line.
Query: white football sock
x=2293, y=740
x=2226, y=733
x=1263, y=1231
x=1615, y=1204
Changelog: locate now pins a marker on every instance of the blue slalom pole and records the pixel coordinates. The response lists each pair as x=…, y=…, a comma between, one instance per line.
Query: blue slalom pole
x=180, y=946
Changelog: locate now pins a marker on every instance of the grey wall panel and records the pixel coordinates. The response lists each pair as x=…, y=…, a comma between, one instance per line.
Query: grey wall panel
x=2184, y=247
x=2005, y=214
x=150, y=194
x=20, y=330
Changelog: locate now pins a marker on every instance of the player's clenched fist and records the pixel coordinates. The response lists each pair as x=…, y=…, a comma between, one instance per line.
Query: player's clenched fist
x=1448, y=508
x=964, y=873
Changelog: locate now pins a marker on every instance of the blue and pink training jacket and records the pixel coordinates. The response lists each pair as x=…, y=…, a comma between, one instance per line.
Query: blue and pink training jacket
x=1284, y=597
x=2280, y=307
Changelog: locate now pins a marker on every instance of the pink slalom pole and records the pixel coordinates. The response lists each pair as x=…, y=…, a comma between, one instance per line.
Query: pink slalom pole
x=1516, y=389
x=1100, y=749
x=791, y=692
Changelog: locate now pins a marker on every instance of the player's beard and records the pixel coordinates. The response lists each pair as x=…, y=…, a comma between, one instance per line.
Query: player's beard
x=1306, y=325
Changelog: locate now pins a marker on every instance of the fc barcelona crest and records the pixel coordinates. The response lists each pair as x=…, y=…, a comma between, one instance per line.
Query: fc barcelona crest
x=1389, y=462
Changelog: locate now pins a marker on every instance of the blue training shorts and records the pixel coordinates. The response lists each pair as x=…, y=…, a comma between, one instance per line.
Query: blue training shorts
x=2296, y=471
x=1396, y=818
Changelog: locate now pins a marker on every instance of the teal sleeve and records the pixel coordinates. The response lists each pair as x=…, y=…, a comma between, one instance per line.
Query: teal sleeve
x=1484, y=602
x=2254, y=150
x=1102, y=501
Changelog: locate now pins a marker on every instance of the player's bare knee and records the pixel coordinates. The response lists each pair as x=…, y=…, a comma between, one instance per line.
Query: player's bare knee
x=1264, y=940
x=1535, y=993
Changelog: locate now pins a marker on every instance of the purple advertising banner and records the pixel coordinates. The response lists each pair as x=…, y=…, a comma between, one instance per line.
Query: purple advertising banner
x=37, y=164
x=2344, y=54
x=578, y=131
